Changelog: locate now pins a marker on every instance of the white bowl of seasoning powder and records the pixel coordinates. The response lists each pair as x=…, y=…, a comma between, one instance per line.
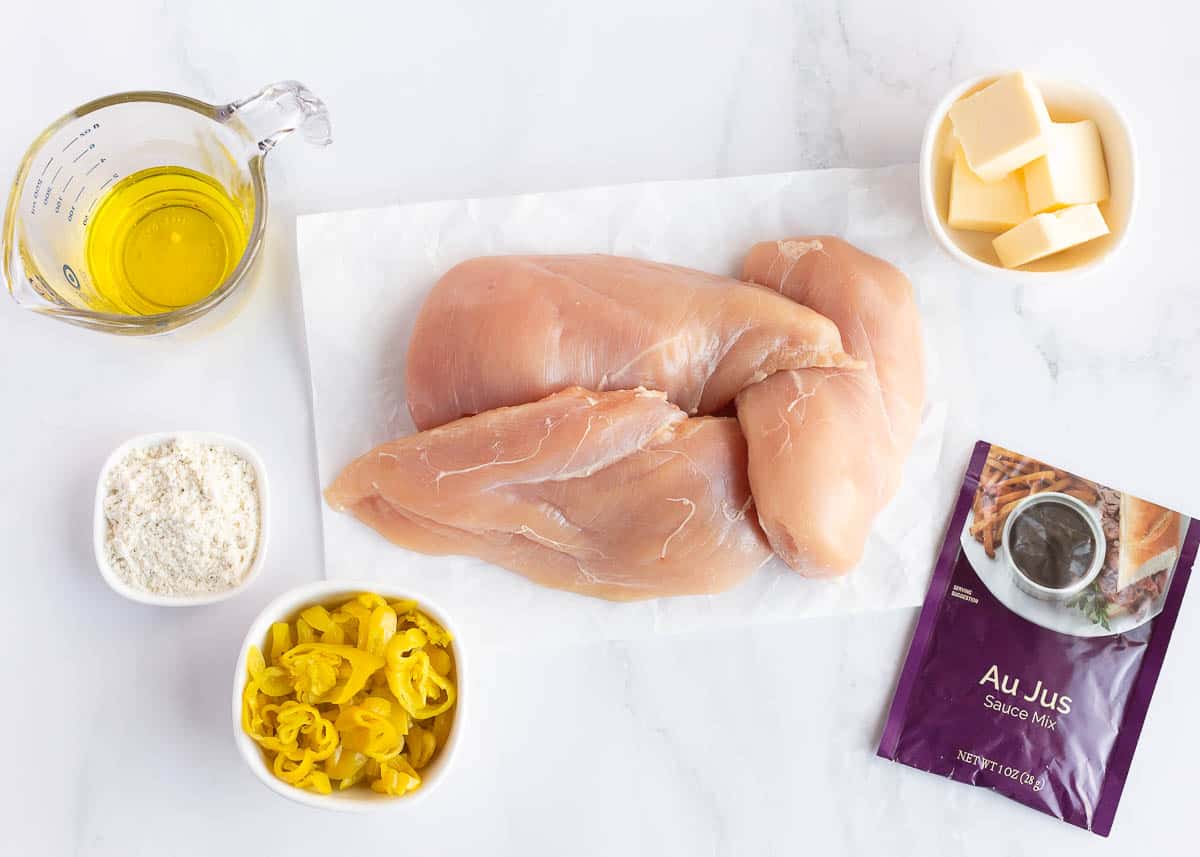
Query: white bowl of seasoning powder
x=180, y=518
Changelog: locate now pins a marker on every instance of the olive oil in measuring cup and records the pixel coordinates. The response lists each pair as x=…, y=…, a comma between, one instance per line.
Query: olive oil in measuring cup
x=105, y=228
x=164, y=238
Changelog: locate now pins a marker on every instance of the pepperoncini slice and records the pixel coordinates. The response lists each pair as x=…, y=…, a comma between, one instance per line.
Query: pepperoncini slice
x=407, y=613
x=296, y=733
x=290, y=770
x=302, y=731
x=319, y=674
x=305, y=633
x=368, y=729
x=253, y=718
x=414, y=682
x=381, y=627
x=255, y=662
x=360, y=615
x=348, y=625
x=439, y=659
x=276, y=681
x=396, y=777
x=281, y=640
x=345, y=764
x=370, y=600
x=441, y=727
x=317, y=781
x=357, y=612
x=399, y=717
x=419, y=745
x=357, y=695
x=318, y=617
x=334, y=634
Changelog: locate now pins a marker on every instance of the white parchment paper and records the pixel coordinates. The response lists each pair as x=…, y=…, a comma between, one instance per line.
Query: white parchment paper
x=365, y=273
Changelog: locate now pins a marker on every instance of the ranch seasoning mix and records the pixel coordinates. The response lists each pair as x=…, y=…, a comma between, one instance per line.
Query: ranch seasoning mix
x=1041, y=637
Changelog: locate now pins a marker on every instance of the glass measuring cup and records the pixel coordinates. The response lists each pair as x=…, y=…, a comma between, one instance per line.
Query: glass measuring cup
x=70, y=166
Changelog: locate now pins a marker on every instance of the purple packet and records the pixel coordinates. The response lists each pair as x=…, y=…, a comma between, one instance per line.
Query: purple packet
x=1041, y=637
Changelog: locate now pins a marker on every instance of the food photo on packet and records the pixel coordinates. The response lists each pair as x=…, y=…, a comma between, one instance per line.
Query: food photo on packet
x=691, y=501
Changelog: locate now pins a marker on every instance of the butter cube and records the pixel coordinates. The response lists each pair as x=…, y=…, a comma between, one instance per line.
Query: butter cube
x=1044, y=234
x=950, y=145
x=982, y=206
x=1002, y=127
x=1072, y=171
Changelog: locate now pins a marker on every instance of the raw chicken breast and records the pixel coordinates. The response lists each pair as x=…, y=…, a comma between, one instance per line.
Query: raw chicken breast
x=827, y=448
x=507, y=330
x=613, y=494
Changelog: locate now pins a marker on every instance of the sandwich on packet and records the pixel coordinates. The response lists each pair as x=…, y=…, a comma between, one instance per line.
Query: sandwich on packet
x=1041, y=638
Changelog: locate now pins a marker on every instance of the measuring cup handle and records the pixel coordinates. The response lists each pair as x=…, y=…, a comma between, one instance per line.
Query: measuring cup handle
x=278, y=109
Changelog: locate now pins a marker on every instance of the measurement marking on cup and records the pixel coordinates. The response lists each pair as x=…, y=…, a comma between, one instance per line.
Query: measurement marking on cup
x=75, y=160
x=107, y=182
x=54, y=177
x=72, y=143
x=81, y=190
x=67, y=185
x=92, y=168
x=48, y=163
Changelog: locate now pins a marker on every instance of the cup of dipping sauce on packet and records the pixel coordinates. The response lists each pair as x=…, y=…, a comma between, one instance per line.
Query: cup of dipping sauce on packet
x=1041, y=637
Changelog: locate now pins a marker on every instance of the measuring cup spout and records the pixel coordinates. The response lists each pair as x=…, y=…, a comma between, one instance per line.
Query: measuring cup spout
x=277, y=110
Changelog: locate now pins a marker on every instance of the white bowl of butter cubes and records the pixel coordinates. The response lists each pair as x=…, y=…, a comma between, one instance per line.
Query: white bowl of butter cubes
x=180, y=518
x=1028, y=176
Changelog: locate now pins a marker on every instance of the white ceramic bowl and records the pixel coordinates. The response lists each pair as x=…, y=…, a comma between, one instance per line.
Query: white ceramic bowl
x=355, y=799
x=1067, y=102
x=100, y=523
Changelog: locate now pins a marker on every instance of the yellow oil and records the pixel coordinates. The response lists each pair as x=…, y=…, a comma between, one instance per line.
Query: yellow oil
x=162, y=239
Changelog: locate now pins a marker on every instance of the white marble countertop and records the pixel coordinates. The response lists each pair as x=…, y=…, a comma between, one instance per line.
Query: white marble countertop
x=116, y=722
